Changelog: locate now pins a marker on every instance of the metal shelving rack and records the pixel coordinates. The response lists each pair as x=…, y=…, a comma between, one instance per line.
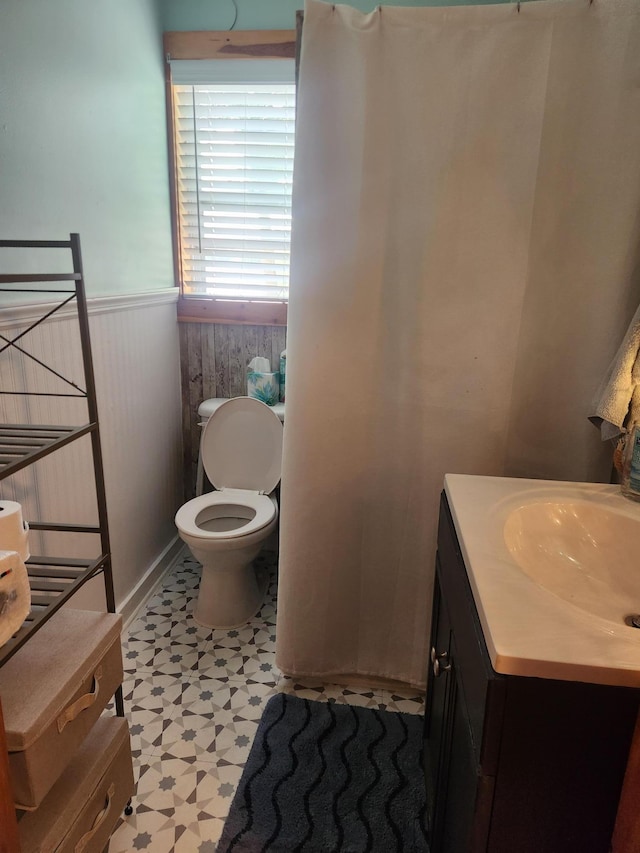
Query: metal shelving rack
x=53, y=580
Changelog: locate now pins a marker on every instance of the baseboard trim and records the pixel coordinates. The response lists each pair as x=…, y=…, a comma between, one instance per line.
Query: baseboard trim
x=129, y=607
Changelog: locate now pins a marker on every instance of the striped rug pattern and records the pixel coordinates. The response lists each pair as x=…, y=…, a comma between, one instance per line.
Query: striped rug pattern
x=327, y=777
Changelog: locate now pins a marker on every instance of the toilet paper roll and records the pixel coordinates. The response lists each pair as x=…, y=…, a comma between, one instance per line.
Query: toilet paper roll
x=15, y=594
x=14, y=530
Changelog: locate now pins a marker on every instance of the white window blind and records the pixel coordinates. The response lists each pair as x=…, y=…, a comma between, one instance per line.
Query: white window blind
x=234, y=153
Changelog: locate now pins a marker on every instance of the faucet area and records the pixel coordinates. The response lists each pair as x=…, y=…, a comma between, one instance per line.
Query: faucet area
x=319, y=426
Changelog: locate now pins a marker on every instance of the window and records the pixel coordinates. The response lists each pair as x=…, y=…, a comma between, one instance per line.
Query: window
x=234, y=166
x=232, y=125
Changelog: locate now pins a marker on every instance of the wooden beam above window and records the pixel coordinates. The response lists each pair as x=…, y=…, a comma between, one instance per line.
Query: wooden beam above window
x=231, y=44
x=194, y=310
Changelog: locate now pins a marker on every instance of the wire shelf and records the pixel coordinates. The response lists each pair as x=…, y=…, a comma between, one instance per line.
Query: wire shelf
x=53, y=580
x=22, y=444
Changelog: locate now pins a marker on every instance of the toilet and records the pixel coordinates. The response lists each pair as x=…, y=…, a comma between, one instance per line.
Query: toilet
x=242, y=456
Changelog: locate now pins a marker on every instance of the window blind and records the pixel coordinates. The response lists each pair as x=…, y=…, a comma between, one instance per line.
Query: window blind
x=234, y=153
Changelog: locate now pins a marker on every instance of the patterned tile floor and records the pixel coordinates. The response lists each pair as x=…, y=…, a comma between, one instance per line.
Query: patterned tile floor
x=194, y=697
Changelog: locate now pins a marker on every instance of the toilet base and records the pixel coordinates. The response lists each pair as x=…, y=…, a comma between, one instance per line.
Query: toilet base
x=231, y=591
x=229, y=597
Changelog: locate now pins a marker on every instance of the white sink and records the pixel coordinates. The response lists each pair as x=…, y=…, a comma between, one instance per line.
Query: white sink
x=585, y=553
x=554, y=568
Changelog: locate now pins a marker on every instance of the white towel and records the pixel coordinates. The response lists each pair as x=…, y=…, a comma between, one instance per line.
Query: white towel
x=618, y=398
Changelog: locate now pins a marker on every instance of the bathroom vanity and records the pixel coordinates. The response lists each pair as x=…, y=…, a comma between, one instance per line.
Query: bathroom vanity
x=531, y=700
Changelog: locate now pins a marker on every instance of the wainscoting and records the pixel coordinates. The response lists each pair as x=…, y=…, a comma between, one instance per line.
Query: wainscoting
x=135, y=353
x=214, y=359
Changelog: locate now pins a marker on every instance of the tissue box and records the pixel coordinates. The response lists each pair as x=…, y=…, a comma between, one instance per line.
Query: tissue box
x=264, y=387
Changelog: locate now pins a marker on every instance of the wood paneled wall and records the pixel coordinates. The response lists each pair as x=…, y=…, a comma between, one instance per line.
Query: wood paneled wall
x=214, y=359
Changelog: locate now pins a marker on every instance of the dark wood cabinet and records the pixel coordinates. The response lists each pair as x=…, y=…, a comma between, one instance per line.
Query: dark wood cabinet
x=514, y=764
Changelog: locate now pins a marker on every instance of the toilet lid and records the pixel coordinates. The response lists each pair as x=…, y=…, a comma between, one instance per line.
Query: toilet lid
x=242, y=446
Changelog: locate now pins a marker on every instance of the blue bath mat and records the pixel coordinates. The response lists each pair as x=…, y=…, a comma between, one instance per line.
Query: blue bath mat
x=327, y=777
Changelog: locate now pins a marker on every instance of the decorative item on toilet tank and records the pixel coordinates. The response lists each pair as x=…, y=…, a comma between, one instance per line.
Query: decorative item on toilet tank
x=262, y=384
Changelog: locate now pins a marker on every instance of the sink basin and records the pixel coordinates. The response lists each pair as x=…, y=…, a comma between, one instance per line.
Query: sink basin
x=584, y=553
x=554, y=570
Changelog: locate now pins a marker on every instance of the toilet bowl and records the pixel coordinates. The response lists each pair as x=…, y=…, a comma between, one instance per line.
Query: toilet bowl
x=242, y=456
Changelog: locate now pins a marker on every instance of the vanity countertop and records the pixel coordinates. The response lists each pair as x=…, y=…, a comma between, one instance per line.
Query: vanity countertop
x=532, y=623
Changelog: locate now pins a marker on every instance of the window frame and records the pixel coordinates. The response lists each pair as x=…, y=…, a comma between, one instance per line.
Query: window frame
x=241, y=45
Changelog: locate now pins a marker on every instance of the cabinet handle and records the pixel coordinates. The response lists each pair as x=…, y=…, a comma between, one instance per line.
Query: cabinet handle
x=440, y=662
x=100, y=819
x=82, y=703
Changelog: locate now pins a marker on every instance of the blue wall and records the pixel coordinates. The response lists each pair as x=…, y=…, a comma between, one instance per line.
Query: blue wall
x=262, y=14
x=83, y=143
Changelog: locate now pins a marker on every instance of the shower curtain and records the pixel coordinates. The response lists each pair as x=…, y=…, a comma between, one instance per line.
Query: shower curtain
x=464, y=263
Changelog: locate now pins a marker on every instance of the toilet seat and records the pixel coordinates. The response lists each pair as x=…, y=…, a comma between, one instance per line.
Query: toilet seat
x=262, y=505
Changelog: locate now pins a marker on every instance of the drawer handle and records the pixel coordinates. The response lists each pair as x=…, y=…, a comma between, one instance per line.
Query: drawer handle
x=69, y=714
x=100, y=819
x=440, y=662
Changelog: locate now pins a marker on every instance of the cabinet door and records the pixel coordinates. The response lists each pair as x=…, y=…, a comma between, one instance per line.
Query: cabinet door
x=459, y=797
x=461, y=787
x=436, y=716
